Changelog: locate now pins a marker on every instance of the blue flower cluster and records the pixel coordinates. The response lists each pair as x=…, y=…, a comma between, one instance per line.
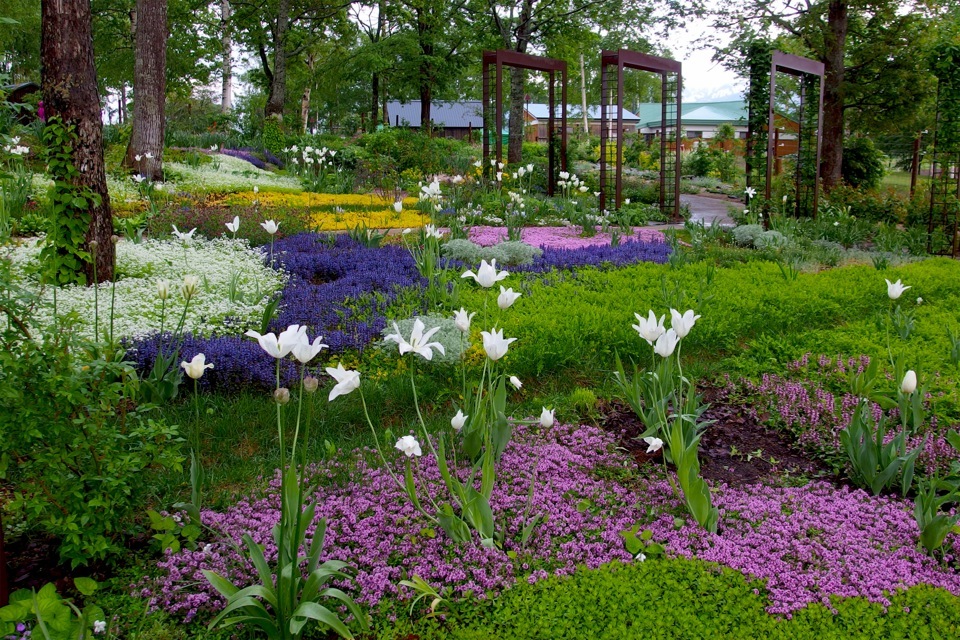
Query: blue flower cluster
x=245, y=154
x=337, y=287
x=341, y=290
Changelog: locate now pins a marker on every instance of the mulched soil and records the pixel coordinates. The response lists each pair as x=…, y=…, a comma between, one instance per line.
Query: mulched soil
x=736, y=449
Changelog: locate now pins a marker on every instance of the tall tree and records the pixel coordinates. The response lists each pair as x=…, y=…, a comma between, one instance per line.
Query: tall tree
x=145, y=150
x=226, y=65
x=69, y=81
x=872, y=51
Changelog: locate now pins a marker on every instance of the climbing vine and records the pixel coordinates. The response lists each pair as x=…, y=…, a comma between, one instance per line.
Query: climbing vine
x=759, y=59
x=65, y=253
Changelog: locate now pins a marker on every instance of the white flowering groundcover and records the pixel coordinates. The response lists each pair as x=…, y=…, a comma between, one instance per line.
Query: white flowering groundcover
x=235, y=284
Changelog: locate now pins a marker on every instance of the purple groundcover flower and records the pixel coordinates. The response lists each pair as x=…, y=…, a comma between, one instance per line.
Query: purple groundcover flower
x=807, y=543
x=245, y=155
x=560, y=237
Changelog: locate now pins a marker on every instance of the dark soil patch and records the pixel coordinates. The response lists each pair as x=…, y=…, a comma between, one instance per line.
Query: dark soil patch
x=736, y=449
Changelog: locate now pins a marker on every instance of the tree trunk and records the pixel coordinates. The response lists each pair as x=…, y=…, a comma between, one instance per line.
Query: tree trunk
x=425, y=71
x=305, y=109
x=278, y=83
x=374, y=101
x=226, y=44
x=145, y=151
x=123, y=103
x=70, y=93
x=4, y=584
x=836, y=39
x=515, y=145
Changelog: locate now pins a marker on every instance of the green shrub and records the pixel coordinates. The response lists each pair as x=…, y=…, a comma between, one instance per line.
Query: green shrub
x=873, y=206
x=863, y=163
x=678, y=598
x=74, y=447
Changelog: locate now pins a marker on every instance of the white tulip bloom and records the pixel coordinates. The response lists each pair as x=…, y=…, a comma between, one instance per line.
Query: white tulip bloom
x=348, y=380
x=305, y=351
x=487, y=275
x=462, y=319
x=515, y=381
x=280, y=346
x=507, y=297
x=751, y=192
x=197, y=366
x=666, y=344
x=653, y=444
x=547, y=417
x=418, y=340
x=163, y=289
x=183, y=236
x=530, y=168
x=458, y=421
x=270, y=226
x=398, y=206
x=494, y=344
x=682, y=324
x=895, y=289
x=909, y=384
x=409, y=446
x=190, y=287
x=649, y=328
x=234, y=226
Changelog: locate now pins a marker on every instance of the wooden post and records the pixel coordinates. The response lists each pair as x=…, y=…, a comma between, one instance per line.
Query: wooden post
x=915, y=164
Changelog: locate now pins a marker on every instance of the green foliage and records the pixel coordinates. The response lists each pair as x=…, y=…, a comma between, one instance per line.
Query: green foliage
x=678, y=598
x=505, y=253
x=863, y=163
x=934, y=506
x=746, y=235
x=50, y=616
x=64, y=254
x=273, y=138
x=74, y=447
x=876, y=462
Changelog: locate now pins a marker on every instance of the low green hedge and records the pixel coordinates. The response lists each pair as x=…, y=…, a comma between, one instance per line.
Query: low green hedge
x=678, y=598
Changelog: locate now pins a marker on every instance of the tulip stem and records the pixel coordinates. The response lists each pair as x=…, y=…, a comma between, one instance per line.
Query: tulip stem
x=196, y=407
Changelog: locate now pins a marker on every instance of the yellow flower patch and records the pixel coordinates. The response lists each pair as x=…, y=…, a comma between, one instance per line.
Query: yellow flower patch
x=310, y=200
x=383, y=219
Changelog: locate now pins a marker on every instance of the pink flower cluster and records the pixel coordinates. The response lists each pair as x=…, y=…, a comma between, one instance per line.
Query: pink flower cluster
x=807, y=543
x=804, y=404
x=559, y=237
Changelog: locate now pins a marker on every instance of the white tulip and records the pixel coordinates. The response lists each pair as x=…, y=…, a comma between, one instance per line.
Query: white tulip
x=348, y=380
x=487, y=275
x=530, y=168
x=682, y=324
x=515, y=381
x=909, y=384
x=649, y=328
x=494, y=344
x=895, y=289
x=547, y=417
x=163, y=289
x=191, y=284
x=458, y=420
x=418, y=340
x=234, y=226
x=398, y=206
x=666, y=344
x=197, y=366
x=507, y=297
x=462, y=320
x=184, y=236
x=305, y=351
x=409, y=446
x=280, y=346
x=653, y=444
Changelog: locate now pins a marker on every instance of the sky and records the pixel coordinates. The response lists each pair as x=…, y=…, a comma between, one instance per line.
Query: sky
x=703, y=79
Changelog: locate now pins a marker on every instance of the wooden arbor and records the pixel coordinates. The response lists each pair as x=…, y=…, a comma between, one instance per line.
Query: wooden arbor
x=943, y=222
x=611, y=93
x=493, y=118
x=762, y=146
